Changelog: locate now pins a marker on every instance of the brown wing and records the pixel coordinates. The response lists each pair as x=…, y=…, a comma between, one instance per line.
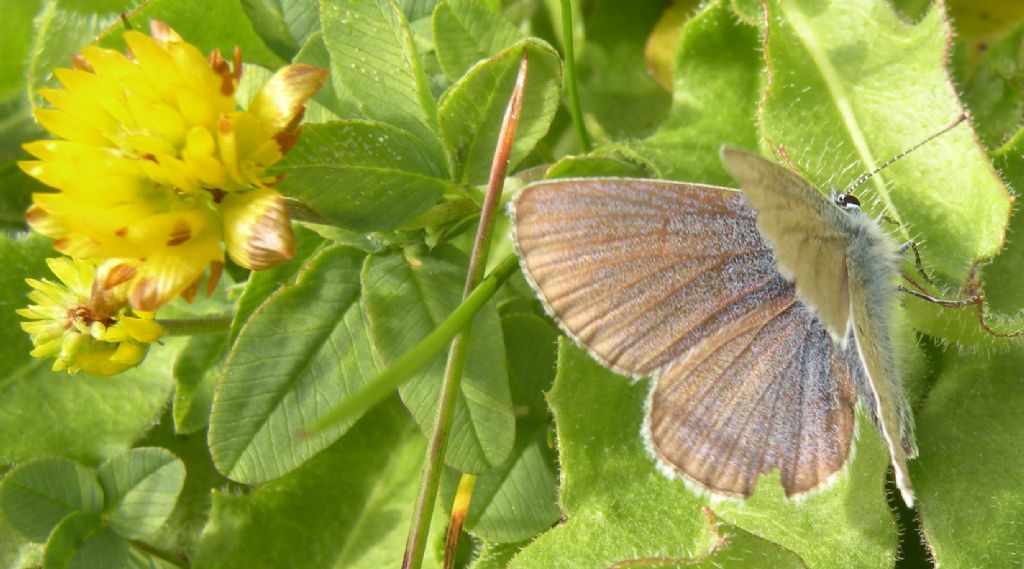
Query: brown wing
x=675, y=278
x=797, y=220
x=769, y=391
x=626, y=266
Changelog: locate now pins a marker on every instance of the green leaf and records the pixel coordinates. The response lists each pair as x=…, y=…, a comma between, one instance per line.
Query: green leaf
x=15, y=550
x=417, y=9
x=594, y=165
x=184, y=527
x=301, y=353
x=848, y=524
x=372, y=53
x=81, y=417
x=82, y=541
x=495, y=555
x=197, y=370
x=858, y=107
x=219, y=25
x=968, y=474
x=283, y=24
x=619, y=507
x=616, y=505
x=333, y=94
x=268, y=22
x=993, y=90
x=38, y=494
x=517, y=499
x=262, y=284
x=617, y=92
x=467, y=31
x=1001, y=278
x=717, y=87
x=738, y=549
x=140, y=489
x=361, y=175
x=407, y=295
x=60, y=31
x=347, y=508
x=472, y=111
x=15, y=38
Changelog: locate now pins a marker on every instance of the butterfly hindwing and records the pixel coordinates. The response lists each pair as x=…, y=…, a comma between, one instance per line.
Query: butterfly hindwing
x=771, y=391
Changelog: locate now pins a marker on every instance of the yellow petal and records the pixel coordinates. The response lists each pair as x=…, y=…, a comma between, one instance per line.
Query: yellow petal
x=257, y=229
x=128, y=354
x=70, y=127
x=143, y=330
x=280, y=102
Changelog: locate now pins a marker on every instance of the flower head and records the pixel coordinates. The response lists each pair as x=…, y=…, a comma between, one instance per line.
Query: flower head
x=84, y=320
x=150, y=150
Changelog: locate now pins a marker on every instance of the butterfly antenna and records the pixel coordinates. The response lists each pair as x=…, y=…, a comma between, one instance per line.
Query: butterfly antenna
x=860, y=181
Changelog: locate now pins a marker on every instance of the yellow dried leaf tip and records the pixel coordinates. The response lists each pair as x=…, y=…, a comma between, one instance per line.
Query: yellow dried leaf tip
x=151, y=149
x=84, y=322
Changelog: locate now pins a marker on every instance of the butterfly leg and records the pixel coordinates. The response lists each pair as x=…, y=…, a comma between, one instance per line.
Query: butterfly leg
x=973, y=297
x=944, y=302
x=917, y=260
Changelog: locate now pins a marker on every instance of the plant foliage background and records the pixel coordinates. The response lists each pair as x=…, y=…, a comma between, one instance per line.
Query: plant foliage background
x=191, y=459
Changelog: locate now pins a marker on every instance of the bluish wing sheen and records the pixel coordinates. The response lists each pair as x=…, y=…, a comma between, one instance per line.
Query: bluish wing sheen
x=669, y=279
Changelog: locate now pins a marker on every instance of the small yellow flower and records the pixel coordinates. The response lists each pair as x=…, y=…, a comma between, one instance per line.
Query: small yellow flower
x=84, y=320
x=153, y=160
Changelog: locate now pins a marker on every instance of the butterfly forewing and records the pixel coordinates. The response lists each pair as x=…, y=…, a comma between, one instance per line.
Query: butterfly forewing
x=625, y=265
x=795, y=218
x=674, y=280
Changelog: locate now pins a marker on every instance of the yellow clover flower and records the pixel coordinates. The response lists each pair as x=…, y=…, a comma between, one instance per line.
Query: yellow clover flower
x=155, y=167
x=84, y=320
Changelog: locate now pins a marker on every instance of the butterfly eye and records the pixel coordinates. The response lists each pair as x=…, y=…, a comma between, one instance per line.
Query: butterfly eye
x=847, y=201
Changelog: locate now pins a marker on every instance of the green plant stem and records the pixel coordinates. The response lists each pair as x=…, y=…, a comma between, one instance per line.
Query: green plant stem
x=423, y=353
x=427, y=496
x=214, y=324
x=570, y=77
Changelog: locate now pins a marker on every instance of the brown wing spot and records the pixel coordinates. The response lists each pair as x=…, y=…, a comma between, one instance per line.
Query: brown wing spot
x=121, y=232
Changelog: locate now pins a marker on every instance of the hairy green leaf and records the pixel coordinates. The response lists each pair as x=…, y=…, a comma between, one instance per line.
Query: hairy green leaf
x=968, y=475
x=615, y=504
x=841, y=107
x=717, y=86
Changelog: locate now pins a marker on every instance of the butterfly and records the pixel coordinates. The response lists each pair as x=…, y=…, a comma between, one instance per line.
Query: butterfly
x=763, y=315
